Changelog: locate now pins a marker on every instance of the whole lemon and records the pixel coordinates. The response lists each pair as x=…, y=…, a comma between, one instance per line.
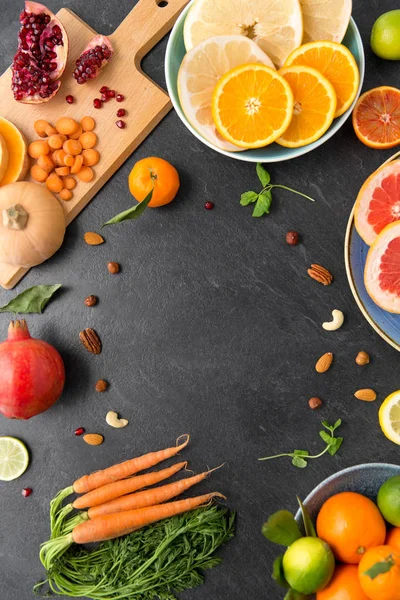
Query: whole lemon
x=385, y=36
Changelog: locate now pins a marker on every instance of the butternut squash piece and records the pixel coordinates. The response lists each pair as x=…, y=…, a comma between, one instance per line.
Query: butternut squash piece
x=18, y=160
x=4, y=157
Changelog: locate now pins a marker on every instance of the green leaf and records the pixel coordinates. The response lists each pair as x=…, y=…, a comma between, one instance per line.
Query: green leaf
x=263, y=175
x=32, y=300
x=281, y=528
x=263, y=204
x=293, y=595
x=337, y=424
x=308, y=524
x=335, y=446
x=132, y=213
x=381, y=567
x=301, y=453
x=277, y=572
x=326, y=424
x=299, y=462
x=328, y=439
x=247, y=198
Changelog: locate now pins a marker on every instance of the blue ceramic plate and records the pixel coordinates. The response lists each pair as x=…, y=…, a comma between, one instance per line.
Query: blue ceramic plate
x=385, y=323
x=273, y=153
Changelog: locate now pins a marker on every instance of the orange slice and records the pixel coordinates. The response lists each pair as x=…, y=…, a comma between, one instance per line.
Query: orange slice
x=376, y=117
x=336, y=63
x=252, y=106
x=314, y=106
x=382, y=269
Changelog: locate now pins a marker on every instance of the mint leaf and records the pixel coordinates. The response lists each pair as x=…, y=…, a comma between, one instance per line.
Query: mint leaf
x=32, y=300
x=277, y=572
x=299, y=462
x=335, y=445
x=263, y=204
x=308, y=524
x=281, y=528
x=263, y=175
x=132, y=213
x=381, y=567
x=247, y=198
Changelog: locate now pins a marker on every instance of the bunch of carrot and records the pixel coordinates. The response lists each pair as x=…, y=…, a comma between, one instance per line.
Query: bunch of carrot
x=118, y=504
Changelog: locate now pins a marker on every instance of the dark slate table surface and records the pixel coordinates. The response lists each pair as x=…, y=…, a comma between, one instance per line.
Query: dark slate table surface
x=212, y=327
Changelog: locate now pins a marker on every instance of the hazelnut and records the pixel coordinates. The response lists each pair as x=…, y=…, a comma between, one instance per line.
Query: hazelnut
x=113, y=267
x=91, y=301
x=292, y=238
x=314, y=403
x=101, y=385
x=362, y=358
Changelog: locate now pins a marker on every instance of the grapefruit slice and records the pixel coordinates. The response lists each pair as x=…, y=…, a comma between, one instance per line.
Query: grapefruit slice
x=376, y=117
x=325, y=19
x=378, y=202
x=276, y=26
x=200, y=71
x=382, y=269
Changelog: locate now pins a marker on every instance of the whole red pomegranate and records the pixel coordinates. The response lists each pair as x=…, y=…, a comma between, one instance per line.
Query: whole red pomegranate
x=32, y=374
x=95, y=56
x=41, y=56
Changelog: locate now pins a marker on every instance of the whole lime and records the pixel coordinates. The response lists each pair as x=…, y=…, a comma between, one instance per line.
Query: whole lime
x=389, y=500
x=308, y=565
x=385, y=36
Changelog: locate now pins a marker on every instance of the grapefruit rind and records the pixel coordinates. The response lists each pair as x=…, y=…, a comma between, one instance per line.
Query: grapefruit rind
x=325, y=19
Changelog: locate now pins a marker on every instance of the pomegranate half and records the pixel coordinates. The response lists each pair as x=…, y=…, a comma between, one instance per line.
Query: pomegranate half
x=32, y=374
x=41, y=57
x=95, y=56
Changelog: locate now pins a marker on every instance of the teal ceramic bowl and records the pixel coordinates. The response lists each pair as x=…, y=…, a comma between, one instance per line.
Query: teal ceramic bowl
x=273, y=153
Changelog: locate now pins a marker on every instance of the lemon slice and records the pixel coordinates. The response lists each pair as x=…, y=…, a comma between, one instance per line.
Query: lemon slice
x=200, y=71
x=276, y=26
x=389, y=417
x=325, y=19
x=14, y=458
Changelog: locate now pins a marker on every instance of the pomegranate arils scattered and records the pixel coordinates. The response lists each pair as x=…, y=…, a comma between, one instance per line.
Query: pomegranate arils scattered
x=110, y=93
x=26, y=492
x=121, y=112
x=69, y=99
x=95, y=56
x=104, y=98
x=80, y=431
x=97, y=103
x=121, y=124
x=209, y=205
x=104, y=89
x=120, y=98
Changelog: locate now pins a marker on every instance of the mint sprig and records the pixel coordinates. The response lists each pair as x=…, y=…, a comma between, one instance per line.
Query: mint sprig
x=263, y=200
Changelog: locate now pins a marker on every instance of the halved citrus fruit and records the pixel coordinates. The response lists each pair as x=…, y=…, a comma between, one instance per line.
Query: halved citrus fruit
x=382, y=269
x=277, y=27
x=200, y=72
x=325, y=19
x=252, y=106
x=378, y=202
x=376, y=117
x=314, y=106
x=336, y=63
x=14, y=458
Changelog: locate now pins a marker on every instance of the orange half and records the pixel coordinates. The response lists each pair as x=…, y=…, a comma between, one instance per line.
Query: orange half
x=376, y=117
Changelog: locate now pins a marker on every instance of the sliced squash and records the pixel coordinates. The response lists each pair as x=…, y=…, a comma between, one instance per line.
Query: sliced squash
x=3, y=157
x=18, y=159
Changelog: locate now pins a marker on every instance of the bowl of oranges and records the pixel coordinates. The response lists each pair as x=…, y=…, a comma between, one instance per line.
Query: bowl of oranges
x=264, y=81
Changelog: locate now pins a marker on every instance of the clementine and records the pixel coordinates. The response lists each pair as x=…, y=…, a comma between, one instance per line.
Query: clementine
x=351, y=524
x=393, y=538
x=154, y=174
x=344, y=585
x=379, y=573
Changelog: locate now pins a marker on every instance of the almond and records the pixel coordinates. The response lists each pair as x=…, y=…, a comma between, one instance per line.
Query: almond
x=93, y=239
x=367, y=395
x=93, y=439
x=324, y=363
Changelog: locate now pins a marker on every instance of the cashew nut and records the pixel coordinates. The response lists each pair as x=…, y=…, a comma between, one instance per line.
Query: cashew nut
x=336, y=323
x=113, y=420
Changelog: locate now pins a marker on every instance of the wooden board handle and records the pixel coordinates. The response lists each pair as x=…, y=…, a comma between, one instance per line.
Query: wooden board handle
x=145, y=25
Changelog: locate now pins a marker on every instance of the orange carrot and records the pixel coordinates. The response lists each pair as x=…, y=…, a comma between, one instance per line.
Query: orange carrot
x=147, y=497
x=109, y=527
x=87, y=483
x=125, y=486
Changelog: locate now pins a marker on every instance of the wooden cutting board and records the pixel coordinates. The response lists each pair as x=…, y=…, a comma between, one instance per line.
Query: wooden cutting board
x=145, y=102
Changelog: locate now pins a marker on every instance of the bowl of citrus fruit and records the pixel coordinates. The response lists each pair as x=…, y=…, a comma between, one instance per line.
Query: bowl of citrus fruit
x=344, y=543
x=264, y=81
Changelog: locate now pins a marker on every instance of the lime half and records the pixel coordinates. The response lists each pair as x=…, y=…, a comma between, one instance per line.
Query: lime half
x=14, y=458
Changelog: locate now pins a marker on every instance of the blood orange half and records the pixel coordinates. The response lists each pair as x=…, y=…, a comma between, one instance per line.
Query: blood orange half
x=378, y=202
x=376, y=117
x=382, y=270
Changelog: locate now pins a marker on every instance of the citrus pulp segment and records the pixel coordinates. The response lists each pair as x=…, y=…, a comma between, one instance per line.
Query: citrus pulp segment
x=252, y=106
x=376, y=117
x=314, y=106
x=200, y=71
x=336, y=63
x=325, y=19
x=14, y=458
x=382, y=269
x=378, y=202
x=276, y=26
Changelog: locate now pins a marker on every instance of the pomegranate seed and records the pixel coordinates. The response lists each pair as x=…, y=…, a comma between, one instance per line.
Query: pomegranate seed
x=120, y=124
x=104, y=89
x=26, y=492
x=97, y=103
x=120, y=98
x=69, y=99
x=121, y=112
x=110, y=93
x=209, y=205
x=104, y=98
x=80, y=431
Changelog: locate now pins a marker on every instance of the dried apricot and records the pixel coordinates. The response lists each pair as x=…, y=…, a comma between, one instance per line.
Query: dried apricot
x=88, y=124
x=67, y=125
x=88, y=140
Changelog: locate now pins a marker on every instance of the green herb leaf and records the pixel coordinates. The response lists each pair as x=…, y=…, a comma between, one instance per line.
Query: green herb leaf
x=263, y=204
x=132, y=213
x=301, y=453
x=328, y=439
x=337, y=424
x=277, y=572
x=381, y=567
x=308, y=524
x=32, y=300
x=299, y=462
x=326, y=425
x=263, y=175
x=335, y=445
x=281, y=528
x=247, y=198
x=293, y=595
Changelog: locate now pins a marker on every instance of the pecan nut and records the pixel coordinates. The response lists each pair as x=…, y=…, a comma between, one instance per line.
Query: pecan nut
x=90, y=340
x=320, y=274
